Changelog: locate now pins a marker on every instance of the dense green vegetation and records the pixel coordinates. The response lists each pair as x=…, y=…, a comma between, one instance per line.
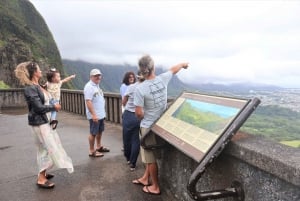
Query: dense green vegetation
x=3, y=85
x=292, y=143
x=24, y=36
x=277, y=123
x=21, y=20
x=280, y=124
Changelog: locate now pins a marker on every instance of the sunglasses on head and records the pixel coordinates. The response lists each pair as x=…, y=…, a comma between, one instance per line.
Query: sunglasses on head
x=53, y=69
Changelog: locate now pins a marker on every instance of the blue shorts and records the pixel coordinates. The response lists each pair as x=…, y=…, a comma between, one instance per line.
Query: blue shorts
x=96, y=128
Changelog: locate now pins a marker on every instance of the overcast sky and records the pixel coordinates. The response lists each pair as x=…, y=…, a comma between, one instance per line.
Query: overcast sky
x=224, y=41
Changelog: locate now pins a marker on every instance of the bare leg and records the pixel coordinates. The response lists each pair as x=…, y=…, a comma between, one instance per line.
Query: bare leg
x=42, y=178
x=145, y=178
x=98, y=140
x=153, y=171
x=92, y=143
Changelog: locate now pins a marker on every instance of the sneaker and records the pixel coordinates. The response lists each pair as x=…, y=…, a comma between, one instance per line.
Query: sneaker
x=132, y=167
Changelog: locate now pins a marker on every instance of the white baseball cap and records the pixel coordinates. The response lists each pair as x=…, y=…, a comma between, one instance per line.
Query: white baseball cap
x=95, y=72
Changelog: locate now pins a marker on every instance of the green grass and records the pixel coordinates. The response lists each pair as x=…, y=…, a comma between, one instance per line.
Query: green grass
x=3, y=85
x=292, y=143
x=2, y=43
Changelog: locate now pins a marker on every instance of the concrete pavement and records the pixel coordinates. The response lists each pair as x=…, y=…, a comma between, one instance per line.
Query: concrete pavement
x=104, y=179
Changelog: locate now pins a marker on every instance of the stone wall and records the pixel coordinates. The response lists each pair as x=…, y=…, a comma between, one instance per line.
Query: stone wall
x=268, y=171
x=12, y=98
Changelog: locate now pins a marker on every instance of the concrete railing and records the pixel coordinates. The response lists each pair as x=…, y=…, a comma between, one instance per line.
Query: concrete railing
x=268, y=171
x=12, y=98
x=71, y=101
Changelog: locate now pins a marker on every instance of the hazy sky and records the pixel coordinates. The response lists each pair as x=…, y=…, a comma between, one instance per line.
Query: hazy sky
x=224, y=41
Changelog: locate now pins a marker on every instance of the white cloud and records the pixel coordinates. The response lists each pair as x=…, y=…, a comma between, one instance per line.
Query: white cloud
x=224, y=41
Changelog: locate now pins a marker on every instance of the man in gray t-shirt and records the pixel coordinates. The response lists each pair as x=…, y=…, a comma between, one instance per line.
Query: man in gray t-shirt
x=151, y=101
x=152, y=96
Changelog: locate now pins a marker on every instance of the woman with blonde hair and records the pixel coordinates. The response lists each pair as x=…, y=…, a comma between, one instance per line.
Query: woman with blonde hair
x=50, y=151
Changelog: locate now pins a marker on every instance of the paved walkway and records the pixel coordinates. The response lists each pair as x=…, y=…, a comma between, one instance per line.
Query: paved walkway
x=104, y=179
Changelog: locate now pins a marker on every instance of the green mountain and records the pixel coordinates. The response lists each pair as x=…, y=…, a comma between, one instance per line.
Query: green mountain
x=278, y=123
x=113, y=76
x=24, y=36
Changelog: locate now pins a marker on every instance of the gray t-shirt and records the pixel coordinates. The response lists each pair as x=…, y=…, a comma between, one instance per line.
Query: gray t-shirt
x=152, y=96
x=130, y=93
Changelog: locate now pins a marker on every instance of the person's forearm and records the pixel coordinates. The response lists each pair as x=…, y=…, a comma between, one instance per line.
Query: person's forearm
x=68, y=78
x=124, y=100
x=90, y=107
x=175, y=69
x=139, y=112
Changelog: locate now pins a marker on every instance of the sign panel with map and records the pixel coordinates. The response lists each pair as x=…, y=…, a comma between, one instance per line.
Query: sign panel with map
x=195, y=122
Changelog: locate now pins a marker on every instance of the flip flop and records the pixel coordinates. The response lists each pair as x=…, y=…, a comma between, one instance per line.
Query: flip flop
x=54, y=123
x=103, y=149
x=49, y=176
x=96, y=154
x=149, y=192
x=46, y=185
x=138, y=182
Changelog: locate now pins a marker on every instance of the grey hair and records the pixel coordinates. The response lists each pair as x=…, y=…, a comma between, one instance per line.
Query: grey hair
x=146, y=65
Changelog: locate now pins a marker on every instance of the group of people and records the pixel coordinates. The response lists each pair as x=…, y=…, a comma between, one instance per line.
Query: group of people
x=144, y=104
x=144, y=99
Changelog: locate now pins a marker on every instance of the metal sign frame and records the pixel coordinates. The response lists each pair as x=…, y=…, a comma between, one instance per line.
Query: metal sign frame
x=162, y=128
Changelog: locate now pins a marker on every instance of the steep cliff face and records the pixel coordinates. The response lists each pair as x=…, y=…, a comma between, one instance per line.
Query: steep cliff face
x=24, y=36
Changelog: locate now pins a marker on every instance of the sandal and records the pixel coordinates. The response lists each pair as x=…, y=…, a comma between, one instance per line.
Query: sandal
x=53, y=124
x=138, y=182
x=96, y=154
x=147, y=190
x=49, y=176
x=46, y=185
x=103, y=149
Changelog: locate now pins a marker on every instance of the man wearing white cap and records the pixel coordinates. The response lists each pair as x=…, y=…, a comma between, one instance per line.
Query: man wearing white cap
x=95, y=112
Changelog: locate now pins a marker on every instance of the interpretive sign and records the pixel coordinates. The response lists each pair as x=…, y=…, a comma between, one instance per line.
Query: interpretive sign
x=195, y=122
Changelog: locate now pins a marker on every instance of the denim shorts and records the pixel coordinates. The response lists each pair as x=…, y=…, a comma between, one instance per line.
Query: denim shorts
x=96, y=127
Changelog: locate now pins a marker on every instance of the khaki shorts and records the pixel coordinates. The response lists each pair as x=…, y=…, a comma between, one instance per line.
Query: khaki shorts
x=148, y=156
